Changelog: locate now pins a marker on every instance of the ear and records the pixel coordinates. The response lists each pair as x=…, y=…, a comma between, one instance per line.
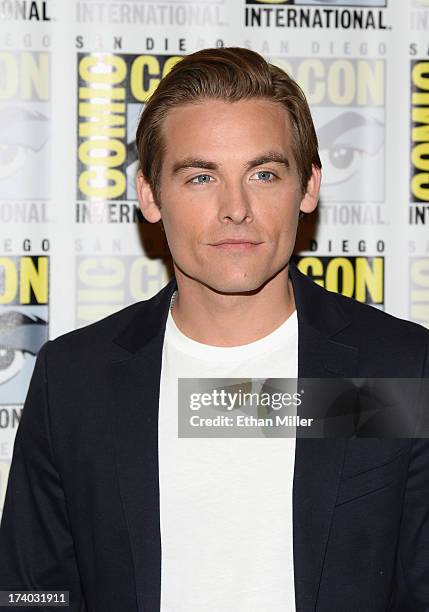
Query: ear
x=311, y=196
x=146, y=199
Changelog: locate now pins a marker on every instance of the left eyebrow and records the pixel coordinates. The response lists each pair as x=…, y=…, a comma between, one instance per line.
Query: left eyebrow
x=271, y=156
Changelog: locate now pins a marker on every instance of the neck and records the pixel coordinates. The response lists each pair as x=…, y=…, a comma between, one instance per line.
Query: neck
x=222, y=319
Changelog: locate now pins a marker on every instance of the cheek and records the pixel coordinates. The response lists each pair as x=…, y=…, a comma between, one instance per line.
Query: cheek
x=281, y=217
x=281, y=201
x=181, y=229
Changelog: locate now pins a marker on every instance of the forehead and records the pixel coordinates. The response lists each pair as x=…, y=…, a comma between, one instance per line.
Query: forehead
x=219, y=127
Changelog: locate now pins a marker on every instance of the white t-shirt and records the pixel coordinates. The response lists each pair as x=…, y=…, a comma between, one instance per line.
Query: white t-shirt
x=225, y=503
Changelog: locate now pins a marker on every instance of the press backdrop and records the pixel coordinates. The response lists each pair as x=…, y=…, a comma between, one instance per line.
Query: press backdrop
x=74, y=76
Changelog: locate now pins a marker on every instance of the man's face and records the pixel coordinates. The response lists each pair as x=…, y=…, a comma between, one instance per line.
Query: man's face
x=228, y=174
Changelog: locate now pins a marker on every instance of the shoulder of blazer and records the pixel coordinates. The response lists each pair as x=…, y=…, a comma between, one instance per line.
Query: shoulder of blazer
x=366, y=319
x=315, y=304
x=134, y=322
x=386, y=344
x=332, y=314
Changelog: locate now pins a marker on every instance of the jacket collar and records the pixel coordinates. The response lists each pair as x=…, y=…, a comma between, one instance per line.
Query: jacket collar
x=315, y=308
x=149, y=321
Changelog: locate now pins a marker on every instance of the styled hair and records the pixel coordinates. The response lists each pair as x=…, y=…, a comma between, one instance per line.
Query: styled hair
x=229, y=74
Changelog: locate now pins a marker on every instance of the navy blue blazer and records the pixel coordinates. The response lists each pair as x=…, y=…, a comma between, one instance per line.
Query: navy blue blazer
x=82, y=506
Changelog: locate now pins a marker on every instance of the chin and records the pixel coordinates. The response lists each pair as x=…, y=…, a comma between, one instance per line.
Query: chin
x=234, y=285
x=227, y=280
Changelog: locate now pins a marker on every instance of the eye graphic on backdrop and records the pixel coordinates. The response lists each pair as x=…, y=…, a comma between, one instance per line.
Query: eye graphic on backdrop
x=11, y=362
x=24, y=170
x=21, y=337
x=342, y=162
x=12, y=157
x=22, y=133
x=351, y=150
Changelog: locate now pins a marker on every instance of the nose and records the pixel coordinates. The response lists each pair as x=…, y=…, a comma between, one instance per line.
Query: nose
x=234, y=204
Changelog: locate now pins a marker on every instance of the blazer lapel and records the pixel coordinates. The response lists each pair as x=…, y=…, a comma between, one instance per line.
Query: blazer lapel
x=318, y=462
x=135, y=383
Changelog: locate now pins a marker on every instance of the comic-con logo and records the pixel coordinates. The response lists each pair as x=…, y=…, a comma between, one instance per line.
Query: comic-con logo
x=361, y=278
x=112, y=92
x=24, y=296
x=356, y=3
x=24, y=125
x=107, y=283
x=419, y=141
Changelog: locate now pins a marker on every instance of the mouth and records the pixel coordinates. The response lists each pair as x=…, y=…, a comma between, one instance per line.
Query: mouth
x=235, y=245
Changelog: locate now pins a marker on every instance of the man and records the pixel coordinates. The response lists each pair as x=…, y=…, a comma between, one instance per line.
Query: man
x=106, y=501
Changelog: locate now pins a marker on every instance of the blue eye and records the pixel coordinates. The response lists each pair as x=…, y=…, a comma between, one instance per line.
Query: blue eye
x=264, y=176
x=196, y=180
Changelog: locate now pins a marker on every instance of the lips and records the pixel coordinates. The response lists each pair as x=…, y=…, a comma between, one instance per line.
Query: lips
x=235, y=241
x=235, y=245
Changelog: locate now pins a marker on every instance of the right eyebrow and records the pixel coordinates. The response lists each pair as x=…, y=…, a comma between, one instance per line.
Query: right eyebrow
x=193, y=163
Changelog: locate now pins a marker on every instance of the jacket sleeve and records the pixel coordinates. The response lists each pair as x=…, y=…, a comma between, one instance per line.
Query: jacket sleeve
x=412, y=568
x=36, y=544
